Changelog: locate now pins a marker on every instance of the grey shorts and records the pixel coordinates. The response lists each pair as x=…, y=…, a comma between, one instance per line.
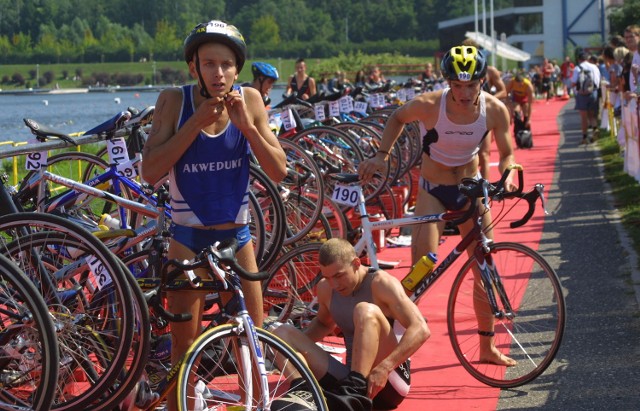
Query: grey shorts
x=587, y=102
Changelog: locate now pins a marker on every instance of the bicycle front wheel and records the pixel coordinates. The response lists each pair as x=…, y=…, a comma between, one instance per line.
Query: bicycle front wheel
x=219, y=371
x=529, y=325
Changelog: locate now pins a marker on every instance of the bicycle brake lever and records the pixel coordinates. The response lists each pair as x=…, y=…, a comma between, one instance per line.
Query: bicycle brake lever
x=194, y=280
x=485, y=194
x=219, y=272
x=540, y=189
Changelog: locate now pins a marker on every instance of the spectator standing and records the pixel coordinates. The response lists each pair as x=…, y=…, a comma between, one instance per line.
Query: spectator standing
x=566, y=73
x=587, y=104
x=547, y=79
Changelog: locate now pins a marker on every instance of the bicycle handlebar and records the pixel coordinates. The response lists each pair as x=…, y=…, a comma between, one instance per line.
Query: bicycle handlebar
x=481, y=188
x=292, y=99
x=222, y=253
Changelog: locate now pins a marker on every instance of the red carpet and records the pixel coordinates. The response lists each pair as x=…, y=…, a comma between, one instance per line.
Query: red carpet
x=438, y=380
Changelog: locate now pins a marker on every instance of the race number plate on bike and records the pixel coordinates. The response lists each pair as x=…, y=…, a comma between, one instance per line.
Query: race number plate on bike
x=346, y=195
x=118, y=155
x=36, y=160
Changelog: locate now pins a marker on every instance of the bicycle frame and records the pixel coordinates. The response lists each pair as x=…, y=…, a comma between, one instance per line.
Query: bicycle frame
x=487, y=269
x=250, y=351
x=91, y=188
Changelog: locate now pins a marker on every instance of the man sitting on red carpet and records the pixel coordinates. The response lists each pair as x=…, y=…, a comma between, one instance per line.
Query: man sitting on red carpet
x=382, y=327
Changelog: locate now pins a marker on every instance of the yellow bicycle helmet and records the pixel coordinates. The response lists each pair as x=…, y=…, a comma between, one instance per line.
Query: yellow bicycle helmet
x=463, y=63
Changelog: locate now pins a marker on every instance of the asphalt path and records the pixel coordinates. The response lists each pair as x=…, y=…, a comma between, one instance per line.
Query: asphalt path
x=598, y=364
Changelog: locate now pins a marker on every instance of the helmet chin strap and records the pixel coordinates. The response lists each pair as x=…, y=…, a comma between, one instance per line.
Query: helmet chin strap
x=203, y=87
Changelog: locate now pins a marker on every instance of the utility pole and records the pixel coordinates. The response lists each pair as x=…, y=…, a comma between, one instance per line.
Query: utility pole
x=346, y=29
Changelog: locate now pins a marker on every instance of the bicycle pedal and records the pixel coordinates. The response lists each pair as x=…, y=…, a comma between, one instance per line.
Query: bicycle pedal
x=145, y=396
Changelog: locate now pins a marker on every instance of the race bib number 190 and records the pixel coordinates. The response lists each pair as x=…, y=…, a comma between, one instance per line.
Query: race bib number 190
x=346, y=195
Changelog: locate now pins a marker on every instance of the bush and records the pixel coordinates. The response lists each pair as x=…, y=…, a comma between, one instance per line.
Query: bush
x=47, y=77
x=18, y=79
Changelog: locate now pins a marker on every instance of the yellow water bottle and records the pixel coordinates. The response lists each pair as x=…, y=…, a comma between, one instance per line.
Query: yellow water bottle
x=419, y=271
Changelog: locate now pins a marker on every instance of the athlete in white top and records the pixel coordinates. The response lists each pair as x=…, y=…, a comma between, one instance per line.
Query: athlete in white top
x=457, y=120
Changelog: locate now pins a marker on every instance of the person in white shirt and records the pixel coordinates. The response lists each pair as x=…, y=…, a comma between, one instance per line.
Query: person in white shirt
x=587, y=103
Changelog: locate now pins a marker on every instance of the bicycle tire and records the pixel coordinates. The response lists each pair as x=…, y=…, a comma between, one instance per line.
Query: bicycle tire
x=273, y=214
x=62, y=248
x=532, y=338
x=208, y=361
x=34, y=372
x=304, y=179
x=138, y=351
x=290, y=291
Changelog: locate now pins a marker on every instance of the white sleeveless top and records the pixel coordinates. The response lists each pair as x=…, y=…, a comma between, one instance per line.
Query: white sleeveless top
x=454, y=144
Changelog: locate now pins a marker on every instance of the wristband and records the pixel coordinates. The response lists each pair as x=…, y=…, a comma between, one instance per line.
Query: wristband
x=383, y=152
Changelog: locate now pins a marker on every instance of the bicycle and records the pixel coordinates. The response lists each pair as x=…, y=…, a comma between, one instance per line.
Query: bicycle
x=29, y=356
x=97, y=307
x=232, y=364
x=520, y=292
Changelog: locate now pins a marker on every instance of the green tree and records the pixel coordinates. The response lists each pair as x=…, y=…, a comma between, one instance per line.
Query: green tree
x=265, y=32
x=627, y=14
x=166, y=43
x=48, y=48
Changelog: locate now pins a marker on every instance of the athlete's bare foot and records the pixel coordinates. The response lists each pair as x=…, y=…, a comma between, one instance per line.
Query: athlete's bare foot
x=494, y=356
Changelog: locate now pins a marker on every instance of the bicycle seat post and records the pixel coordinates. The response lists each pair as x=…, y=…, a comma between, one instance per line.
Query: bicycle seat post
x=367, y=234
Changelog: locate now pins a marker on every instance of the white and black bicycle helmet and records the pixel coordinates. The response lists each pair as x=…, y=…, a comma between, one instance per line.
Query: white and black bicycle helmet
x=218, y=32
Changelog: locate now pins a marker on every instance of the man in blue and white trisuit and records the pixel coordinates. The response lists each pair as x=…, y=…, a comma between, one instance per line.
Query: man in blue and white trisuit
x=202, y=136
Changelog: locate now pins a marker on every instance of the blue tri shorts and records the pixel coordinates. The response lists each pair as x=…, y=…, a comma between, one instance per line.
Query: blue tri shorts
x=197, y=239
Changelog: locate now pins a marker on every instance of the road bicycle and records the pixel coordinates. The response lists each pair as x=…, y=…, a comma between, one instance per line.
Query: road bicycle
x=517, y=294
x=136, y=204
x=232, y=364
x=29, y=355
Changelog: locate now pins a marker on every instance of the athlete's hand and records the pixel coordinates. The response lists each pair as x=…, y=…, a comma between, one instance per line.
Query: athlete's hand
x=508, y=182
x=209, y=111
x=369, y=167
x=237, y=108
x=376, y=381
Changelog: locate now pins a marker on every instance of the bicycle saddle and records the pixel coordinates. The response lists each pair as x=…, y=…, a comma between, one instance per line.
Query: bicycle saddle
x=42, y=132
x=110, y=126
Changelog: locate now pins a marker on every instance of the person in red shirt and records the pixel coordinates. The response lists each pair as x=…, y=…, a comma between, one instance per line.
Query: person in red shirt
x=566, y=71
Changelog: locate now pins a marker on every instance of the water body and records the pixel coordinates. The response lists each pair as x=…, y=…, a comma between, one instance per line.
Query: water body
x=72, y=112
x=68, y=113
x=75, y=112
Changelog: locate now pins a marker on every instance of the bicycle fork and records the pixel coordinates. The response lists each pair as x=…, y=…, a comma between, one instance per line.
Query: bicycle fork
x=251, y=357
x=492, y=285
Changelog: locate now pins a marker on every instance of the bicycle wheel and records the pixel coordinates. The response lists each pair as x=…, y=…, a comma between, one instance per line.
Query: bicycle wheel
x=87, y=294
x=290, y=291
x=530, y=332
x=273, y=214
x=28, y=348
x=219, y=367
x=139, y=350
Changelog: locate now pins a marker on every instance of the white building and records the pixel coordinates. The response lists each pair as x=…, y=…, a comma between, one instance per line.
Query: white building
x=542, y=28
